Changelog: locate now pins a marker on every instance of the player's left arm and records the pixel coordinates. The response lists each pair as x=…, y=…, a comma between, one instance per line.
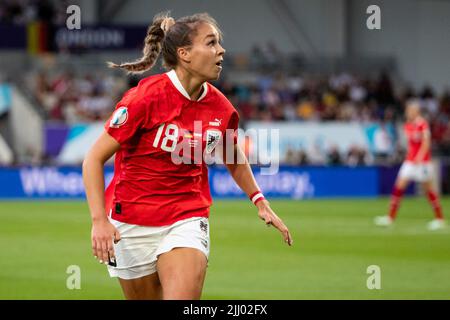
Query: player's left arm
x=424, y=146
x=243, y=176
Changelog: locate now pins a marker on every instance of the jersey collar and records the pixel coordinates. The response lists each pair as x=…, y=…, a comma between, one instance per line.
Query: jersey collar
x=177, y=83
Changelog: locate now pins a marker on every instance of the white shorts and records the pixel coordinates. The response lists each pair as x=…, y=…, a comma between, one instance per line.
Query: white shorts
x=416, y=172
x=138, y=250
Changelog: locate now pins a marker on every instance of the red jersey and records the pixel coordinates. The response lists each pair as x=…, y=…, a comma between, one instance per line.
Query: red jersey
x=152, y=121
x=415, y=132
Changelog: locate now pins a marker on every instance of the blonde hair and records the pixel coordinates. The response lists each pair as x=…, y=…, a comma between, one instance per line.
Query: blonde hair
x=166, y=35
x=414, y=103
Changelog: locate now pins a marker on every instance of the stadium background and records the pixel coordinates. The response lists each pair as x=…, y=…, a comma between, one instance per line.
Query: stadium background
x=312, y=69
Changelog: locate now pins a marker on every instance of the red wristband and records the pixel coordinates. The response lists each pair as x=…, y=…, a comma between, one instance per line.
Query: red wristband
x=256, y=197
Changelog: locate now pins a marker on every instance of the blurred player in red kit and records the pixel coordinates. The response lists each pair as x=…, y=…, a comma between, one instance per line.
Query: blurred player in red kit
x=416, y=167
x=151, y=224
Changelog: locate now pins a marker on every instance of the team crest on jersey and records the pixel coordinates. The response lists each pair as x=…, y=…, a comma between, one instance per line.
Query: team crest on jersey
x=119, y=117
x=212, y=139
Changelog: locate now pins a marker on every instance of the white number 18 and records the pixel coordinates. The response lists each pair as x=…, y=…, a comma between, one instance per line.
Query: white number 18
x=171, y=134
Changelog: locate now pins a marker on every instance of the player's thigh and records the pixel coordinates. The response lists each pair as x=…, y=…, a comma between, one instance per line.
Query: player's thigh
x=405, y=175
x=182, y=273
x=144, y=288
x=402, y=183
x=427, y=185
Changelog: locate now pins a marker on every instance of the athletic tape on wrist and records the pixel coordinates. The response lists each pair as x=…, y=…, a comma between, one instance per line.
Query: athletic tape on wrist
x=256, y=197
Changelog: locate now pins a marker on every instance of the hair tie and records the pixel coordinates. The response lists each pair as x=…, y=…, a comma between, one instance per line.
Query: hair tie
x=167, y=23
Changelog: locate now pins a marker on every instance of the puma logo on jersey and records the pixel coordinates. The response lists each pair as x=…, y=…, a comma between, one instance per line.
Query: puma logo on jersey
x=216, y=122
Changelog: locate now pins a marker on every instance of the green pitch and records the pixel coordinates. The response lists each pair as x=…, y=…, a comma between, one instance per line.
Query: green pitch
x=334, y=243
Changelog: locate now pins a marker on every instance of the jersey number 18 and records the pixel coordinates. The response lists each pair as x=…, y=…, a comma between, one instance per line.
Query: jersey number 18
x=170, y=134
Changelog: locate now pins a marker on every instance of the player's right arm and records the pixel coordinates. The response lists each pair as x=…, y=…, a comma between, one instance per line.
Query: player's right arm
x=103, y=232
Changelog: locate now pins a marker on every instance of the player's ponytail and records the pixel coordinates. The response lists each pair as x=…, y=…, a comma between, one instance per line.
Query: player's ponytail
x=152, y=45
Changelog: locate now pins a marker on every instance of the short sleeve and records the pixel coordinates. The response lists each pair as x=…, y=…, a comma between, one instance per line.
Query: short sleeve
x=231, y=138
x=126, y=120
x=424, y=128
x=232, y=127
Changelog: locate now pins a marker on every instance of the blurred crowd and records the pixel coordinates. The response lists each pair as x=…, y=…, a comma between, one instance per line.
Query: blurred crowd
x=21, y=12
x=339, y=97
x=71, y=99
x=355, y=156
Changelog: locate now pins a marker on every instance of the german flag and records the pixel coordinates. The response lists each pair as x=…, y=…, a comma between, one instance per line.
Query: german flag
x=37, y=37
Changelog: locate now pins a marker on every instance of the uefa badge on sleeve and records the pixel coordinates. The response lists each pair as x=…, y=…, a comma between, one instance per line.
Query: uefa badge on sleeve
x=119, y=117
x=212, y=139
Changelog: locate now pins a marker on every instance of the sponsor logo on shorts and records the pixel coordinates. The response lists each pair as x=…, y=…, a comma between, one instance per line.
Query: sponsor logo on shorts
x=204, y=227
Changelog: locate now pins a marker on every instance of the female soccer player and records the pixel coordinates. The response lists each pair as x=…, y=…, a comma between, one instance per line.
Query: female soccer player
x=156, y=230
x=416, y=167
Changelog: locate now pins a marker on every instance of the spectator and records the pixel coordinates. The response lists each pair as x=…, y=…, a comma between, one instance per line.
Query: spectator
x=317, y=155
x=334, y=157
x=382, y=143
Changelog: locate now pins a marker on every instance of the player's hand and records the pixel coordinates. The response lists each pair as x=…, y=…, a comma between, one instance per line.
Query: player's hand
x=270, y=218
x=103, y=234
